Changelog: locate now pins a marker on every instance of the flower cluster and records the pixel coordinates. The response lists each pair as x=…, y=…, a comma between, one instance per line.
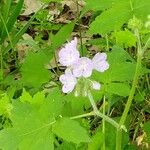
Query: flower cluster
x=79, y=67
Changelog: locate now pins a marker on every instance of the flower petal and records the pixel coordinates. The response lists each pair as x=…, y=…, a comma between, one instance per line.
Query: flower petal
x=68, y=88
x=68, y=81
x=96, y=85
x=83, y=67
x=99, y=62
x=69, y=54
x=102, y=66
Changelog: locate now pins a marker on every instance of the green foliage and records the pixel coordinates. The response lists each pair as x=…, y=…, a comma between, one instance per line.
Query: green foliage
x=121, y=89
x=113, y=18
x=34, y=124
x=118, y=74
x=147, y=130
x=109, y=137
x=30, y=125
x=97, y=141
x=33, y=70
x=70, y=130
x=7, y=26
x=66, y=146
x=48, y=1
x=61, y=36
x=5, y=106
x=97, y=5
x=125, y=38
x=35, y=114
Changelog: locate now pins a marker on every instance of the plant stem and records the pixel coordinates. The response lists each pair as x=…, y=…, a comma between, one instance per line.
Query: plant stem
x=103, y=122
x=1, y=63
x=4, y=24
x=96, y=111
x=83, y=115
x=131, y=94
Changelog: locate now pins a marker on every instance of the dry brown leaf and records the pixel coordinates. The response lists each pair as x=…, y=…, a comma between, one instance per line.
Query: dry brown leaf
x=31, y=6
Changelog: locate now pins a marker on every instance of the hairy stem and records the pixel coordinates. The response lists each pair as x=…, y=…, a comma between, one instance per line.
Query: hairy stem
x=131, y=94
x=103, y=122
x=98, y=113
x=83, y=115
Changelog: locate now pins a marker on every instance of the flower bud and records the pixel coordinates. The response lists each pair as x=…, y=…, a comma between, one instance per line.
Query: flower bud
x=135, y=23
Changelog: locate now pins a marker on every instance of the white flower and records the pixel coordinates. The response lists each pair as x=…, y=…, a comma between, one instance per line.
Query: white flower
x=83, y=68
x=69, y=54
x=79, y=67
x=68, y=81
x=99, y=62
x=96, y=85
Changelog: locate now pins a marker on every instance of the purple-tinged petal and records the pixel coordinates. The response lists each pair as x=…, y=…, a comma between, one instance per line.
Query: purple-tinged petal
x=62, y=79
x=99, y=57
x=68, y=81
x=96, y=85
x=102, y=66
x=69, y=54
x=83, y=67
x=67, y=88
x=99, y=62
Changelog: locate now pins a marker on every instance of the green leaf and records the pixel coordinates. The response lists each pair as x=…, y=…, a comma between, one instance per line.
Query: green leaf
x=96, y=141
x=141, y=8
x=130, y=147
x=15, y=38
x=31, y=124
x=48, y=1
x=121, y=89
x=147, y=130
x=113, y=18
x=66, y=146
x=70, y=130
x=110, y=136
x=121, y=70
x=28, y=127
x=97, y=5
x=25, y=97
x=37, y=99
x=5, y=106
x=61, y=36
x=33, y=70
x=122, y=67
x=5, y=9
x=13, y=18
x=75, y=105
x=140, y=96
x=125, y=38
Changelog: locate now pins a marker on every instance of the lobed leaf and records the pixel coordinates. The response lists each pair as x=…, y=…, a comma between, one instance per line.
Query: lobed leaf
x=33, y=70
x=113, y=18
x=32, y=124
x=70, y=131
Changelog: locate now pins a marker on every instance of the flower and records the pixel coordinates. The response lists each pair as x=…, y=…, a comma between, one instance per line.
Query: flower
x=83, y=68
x=68, y=81
x=78, y=67
x=99, y=62
x=69, y=54
x=96, y=85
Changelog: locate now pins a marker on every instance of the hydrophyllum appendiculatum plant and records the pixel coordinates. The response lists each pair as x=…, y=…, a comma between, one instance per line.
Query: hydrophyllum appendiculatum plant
x=57, y=115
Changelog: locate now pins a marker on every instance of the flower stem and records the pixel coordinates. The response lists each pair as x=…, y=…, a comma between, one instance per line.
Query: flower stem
x=131, y=94
x=83, y=115
x=103, y=122
x=98, y=113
